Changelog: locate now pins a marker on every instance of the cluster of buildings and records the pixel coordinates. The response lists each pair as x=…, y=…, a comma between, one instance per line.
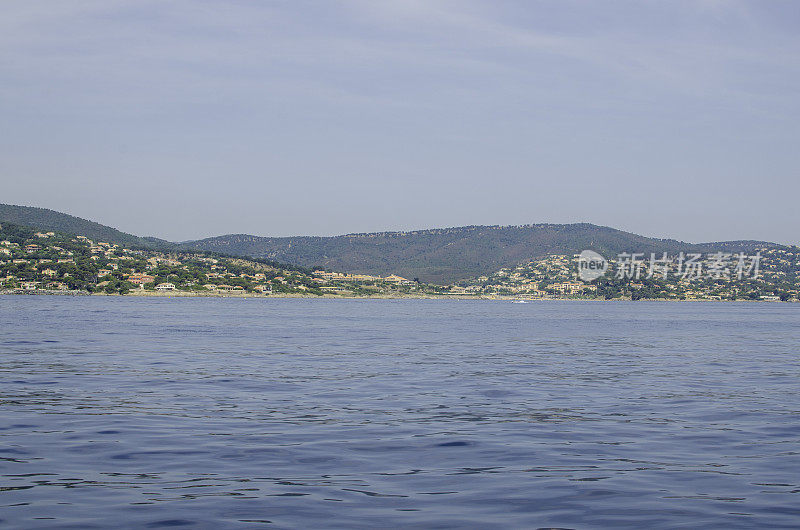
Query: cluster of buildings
x=549, y=277
x=55, y=262
x=17, y=255
x=322, y=276
x=47, y=261
x=557, y=277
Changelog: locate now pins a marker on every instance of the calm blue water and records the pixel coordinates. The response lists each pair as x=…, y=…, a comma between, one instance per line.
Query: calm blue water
x=216, y=413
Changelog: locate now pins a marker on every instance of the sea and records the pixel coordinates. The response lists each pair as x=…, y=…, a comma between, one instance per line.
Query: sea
x=323, y=413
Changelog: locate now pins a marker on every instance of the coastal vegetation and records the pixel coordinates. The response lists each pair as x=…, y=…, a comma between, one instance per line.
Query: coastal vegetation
x=777, y=278
x=447, y=255
x=439, y=256
x=47, y=220
x=33, y=261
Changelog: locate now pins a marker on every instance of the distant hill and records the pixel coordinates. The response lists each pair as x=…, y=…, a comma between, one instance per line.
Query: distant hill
x=44, y=219
x=441, y=255
x=450, y=254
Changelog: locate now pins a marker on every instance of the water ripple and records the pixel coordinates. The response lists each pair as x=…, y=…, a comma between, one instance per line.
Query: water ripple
x=300, y=413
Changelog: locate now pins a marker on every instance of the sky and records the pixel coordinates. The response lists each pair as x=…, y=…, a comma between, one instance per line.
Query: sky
x=186, y=119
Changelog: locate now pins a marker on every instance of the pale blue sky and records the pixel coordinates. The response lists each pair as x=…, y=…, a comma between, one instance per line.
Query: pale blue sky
x=185, y=119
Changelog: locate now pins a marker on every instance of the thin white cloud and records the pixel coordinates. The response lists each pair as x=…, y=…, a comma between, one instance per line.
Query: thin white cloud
x=237, y=45
x=434, y=91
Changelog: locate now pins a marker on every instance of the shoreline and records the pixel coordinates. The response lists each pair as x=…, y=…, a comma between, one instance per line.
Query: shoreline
x=499, y=298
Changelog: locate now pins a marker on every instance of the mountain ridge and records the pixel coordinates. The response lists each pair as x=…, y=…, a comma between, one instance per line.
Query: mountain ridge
x=47, y=219
x=451, y=254
x=436, y=255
